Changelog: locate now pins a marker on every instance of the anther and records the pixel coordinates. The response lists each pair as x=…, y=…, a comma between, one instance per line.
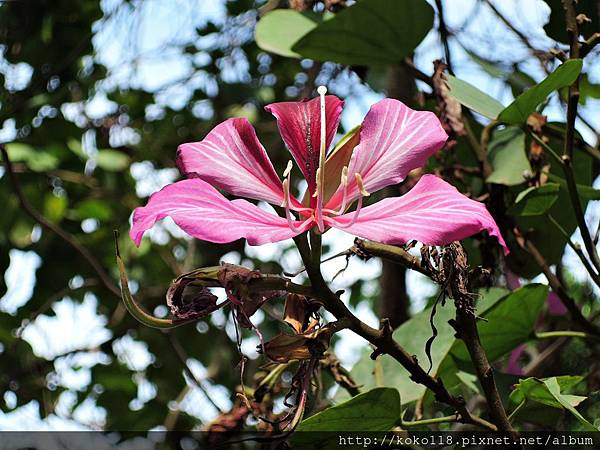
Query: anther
x=318, y=181
x=288, y=168
x=344, y=185
x=361, y=185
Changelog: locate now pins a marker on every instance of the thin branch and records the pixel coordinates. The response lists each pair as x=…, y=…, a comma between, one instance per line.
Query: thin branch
x=589, y=44
x=563, y=333
x=566, y=164
x=183, y=359
x=576, y=315
x=577, y=249
x=103, y=276
x=417, y=423
x=444, y=34
x=390, y=252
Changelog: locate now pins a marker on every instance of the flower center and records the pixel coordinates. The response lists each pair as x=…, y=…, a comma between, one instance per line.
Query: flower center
x=319, y=212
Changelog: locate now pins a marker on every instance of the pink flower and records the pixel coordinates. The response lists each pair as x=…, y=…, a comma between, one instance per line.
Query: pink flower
x=393, y=140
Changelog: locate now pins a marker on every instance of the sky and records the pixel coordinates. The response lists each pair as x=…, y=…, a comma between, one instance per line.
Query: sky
x=146, y=56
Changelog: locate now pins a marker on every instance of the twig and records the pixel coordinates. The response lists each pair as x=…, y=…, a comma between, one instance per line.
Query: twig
x=436, y=420
x=390, y=252
x=576, y=315
x=589, y=44
x=566, y=164
x=522, y=36
x=563, y=333
x=64, y=235
x=444, y=34
x=183, y=359
x=577, y=249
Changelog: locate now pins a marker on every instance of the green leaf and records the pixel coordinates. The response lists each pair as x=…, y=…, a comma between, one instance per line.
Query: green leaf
x=469, y=380
x=36, y=160
x=112, y=160
x=525, y=104
x=507, y=157
x=75, y=146
x=370, y=32
x=549, y=392
x=504, y=329
x=95, y=209
x=376, y=410
x=278, y=30
x=471, y=97
x=585, y=192
x=55, y=207
x=587, y=89
x=535, y=201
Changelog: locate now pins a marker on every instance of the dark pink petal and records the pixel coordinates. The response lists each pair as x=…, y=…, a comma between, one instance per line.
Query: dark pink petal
x=394, y=139
x=300, y=127
x=202, y=212
x=514, y=365
x=231, y=158
x=433, y=212
x=555, y=305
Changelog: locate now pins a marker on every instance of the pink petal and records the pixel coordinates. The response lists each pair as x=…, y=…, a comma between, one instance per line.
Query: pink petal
x=300, y=127
x=514, y=366
x=433, y=212
x=555, y=305
x=394, y=139
x=232, y=158
x=204, y=213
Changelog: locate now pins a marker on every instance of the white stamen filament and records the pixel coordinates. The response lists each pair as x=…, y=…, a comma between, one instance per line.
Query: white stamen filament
x=318, y=180
x=286, y=205
x=286, y=196
x=363, y=193
x=344, y=184
x=288, y=169
x=361, y=185
x=320, y=175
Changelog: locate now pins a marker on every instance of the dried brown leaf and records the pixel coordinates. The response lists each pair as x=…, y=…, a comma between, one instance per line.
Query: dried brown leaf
x=449, y=108
x=188, y=301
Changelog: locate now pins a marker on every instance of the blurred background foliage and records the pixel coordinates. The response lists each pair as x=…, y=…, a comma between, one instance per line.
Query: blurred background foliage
x=97, y=95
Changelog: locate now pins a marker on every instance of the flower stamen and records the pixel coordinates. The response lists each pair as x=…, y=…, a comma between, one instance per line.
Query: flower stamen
x=344, y=184
x=286, y=196
x=360, y=184
x=363, y=193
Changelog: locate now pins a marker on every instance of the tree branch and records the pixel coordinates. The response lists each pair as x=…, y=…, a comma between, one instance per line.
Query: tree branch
x=576, y=315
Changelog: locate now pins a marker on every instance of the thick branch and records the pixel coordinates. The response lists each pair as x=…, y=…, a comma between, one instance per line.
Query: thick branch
x=382, y=339
x=466, y=328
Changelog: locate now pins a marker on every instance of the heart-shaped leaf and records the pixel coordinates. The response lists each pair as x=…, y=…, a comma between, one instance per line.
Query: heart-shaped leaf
x=370, y=32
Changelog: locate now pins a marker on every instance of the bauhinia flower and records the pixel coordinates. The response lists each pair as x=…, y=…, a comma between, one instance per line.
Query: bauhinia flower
x=392, y=140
